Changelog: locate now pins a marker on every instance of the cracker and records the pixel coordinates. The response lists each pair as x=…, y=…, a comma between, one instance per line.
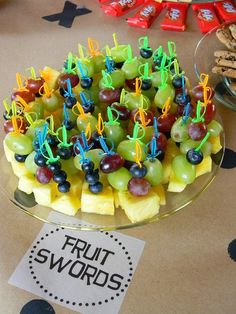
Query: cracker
x=225, y=37
x=232, y=29
x=224, y=71
x=225, y=63
x=225, y=54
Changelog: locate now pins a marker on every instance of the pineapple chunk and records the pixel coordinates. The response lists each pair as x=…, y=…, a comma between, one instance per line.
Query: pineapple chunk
x=19, y=168
x=9, y=153
x=166, y=164
x=50, y=76
x=116, y=198
x=67, y=203
x=175, y=185
x=160, y=191
x=204, y=167
x=26, y=183
x=139, y=208
x=216, y=145
x=101, y=203
x=76, y=182
x=44, y=193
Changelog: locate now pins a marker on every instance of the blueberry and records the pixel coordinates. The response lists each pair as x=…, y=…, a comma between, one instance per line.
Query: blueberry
x=92, y=177
x=138, y=172
x=40, y=160
x=146, y=84
x=182, y=99
x=194, y=156
x=64, y=152
x=146, y=52
x=20, y=158
x=52, y=140
x=59, y=176
x=89, y=107
x=177, y=82
x=96, y=188
x=87, y=166
x=64, y=187
x=119, y=65
x=70, y=102
x=69, y=124
x=86, y=82
x=54, y=166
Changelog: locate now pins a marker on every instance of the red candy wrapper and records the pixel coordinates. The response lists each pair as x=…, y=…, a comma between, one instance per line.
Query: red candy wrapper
x=226, y=10
x=175, y=17
x=206, y=16
x=146, y=15
x=121, y=7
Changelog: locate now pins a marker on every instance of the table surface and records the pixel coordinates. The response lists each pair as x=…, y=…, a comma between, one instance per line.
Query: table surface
x=185, y=267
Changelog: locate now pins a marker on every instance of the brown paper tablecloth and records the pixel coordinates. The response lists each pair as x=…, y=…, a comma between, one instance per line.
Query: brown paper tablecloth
x=185, y=267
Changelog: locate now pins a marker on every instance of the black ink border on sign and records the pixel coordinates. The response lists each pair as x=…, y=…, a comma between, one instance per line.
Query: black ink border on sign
x=74, y=303
x=68, y=14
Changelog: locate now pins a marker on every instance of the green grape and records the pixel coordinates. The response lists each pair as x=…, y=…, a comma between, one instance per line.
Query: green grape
x=154, y=171
x=133, y=101
x=68, y=166
x=172, y=150
x=39, y=124
x=150, y=93
x=119, y=179
x=127, y=149
x=119, y=54
x=189, y=144
x=19, y=143
x=38, y=108
x=95, y=155
x=89, y=67
x=71, y=116
x=98, y=63
x=83, y=121
x=51, y=103
x=179, y=130
x=118, y=79
x=30, y=165
x=214, y=127
x=149, y=130
x=97, y=110
x=93, y=93
x=156, y=79
x=183, y=170
x=162, y=95
x=148, y=60
x=115, y=133
x=130, y=68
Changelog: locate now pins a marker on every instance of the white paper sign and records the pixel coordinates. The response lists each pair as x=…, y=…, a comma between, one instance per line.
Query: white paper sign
x=88, y=272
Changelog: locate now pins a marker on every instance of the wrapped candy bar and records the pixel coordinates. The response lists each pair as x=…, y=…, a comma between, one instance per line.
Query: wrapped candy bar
x=146, y=15
x=121, y=7
x=206, y=16
x=226, y=10
x=175, y=17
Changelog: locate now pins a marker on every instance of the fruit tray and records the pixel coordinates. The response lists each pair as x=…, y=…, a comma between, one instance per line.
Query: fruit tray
x=112, y=139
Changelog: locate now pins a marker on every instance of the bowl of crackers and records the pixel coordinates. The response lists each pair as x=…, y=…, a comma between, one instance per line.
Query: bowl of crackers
x=215, y=55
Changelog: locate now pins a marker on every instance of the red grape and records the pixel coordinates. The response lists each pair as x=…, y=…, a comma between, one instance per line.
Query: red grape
x=34, y=85
x=135, y=117
x=44, y=175
x=111, y=163
x=131, y=83
x=161, y=141
x=123, y=111
x=109, y=95
x=28, y=96
x=138, y=186
x=165, y=122
x=197, y=130
x=197, y=93
x=62, y=80
x=8, y=127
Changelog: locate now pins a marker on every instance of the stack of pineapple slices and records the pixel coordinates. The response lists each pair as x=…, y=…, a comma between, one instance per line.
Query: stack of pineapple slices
x=136, y=208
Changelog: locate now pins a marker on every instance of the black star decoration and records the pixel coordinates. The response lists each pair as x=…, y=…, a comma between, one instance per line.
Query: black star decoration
x=66, y=17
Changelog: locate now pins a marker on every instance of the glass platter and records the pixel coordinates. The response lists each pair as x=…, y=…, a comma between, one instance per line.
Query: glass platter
x=83, y=221
x=204, y=62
